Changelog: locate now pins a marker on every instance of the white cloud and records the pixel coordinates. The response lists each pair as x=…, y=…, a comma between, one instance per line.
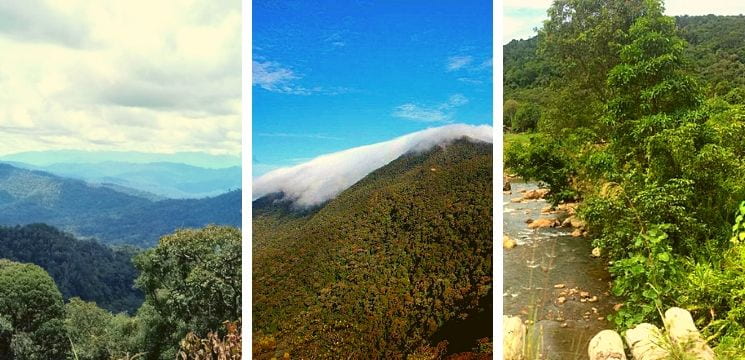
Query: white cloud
x=159, y=76
x=324, y=177
x=458, y=62
x=442, y=112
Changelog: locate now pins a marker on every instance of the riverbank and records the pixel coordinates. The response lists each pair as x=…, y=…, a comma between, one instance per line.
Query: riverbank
x=551, y=280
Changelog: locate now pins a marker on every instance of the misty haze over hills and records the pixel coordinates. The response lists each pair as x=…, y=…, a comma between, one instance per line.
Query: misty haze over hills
x=49, y=157
x=318, y=180
x=176, y=176
x=112, y=215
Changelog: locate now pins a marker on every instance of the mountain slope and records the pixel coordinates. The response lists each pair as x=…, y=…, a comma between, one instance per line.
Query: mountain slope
x=112, y=216
x=86, y=269
x=378, y=270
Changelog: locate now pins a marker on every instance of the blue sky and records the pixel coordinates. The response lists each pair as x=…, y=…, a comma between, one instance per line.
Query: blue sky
x=332, y=75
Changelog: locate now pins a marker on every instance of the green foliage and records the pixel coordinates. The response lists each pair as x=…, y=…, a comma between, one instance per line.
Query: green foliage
x=380, y=269
x=192, y=281
x=660, y=168
x=87, y=325
x=80, y=268
x=648, y=278
x=32, y=311
x=543, y=159
x=526, y=118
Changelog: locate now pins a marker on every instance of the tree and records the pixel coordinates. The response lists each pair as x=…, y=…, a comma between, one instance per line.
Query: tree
x=509, y=111
x=32, y=311
x=526, y=118
x=581, y=39
x=89, y=329
x=649, y=89
x=192, y=282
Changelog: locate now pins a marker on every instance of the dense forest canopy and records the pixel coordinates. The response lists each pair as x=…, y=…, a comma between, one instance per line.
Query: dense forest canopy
x=192, y=286
x=377, y=271
x=652, y=145
x=80, y=268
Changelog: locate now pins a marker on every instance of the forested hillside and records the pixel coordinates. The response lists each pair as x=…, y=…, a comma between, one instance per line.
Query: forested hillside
x=389, y=267
x=643, y=124
x=80, y=268
x=714, y=55
x=101, y=212
x=191, y=281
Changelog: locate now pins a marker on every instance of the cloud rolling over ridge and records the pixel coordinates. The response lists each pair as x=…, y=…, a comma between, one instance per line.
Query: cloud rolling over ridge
x=324, y=177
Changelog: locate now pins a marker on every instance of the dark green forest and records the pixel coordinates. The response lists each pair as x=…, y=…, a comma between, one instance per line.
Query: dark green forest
x=191, y=283
x=391, y=267
x=80, y=268
x=640, y=117
x=103, y=213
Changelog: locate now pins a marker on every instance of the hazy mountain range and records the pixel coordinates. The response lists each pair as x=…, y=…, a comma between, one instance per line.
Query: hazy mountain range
x=109, y=213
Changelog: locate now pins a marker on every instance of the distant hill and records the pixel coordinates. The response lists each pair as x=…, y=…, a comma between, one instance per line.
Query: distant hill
x=45, y=158
x=399, y=260
x=112, y=216
x=168, y=180
x=86, y=269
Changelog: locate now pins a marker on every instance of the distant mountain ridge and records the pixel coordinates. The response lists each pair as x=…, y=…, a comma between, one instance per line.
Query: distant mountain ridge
x=105, y=213
x=199, y=159
x=162, y=179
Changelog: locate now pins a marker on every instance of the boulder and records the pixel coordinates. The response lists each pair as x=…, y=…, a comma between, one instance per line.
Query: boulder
x=606, y=345
x=535, y=194
x=574, y=222
x=682, y=330
x=543, y=223
x=513, y=340
x=507, y=186
x=644, y=341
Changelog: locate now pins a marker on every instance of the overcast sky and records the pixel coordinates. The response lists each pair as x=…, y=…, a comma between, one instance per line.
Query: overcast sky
x=145, y=75
x=522, y=16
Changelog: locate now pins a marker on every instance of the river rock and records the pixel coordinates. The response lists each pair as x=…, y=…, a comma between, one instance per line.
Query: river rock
x=644, y=341
x=576, y=233
x=682, y=330
x=508, y=243
x=606, y=345
x=535, y=194
x=543, y=223
x=507, y=185
x=570, y=208
x=513, y=340
x=574, y=222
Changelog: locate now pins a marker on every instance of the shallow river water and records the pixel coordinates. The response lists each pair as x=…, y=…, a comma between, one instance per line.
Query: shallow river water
x=536, y=269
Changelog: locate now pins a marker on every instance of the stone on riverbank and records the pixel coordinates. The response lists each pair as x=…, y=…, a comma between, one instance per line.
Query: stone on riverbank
x=508, y=242
x=606, y=345
x=514, y=338
x=543, y=223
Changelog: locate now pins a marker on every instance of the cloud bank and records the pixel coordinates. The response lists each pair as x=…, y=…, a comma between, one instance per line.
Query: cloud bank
x=324, y=177
x=135, y=75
